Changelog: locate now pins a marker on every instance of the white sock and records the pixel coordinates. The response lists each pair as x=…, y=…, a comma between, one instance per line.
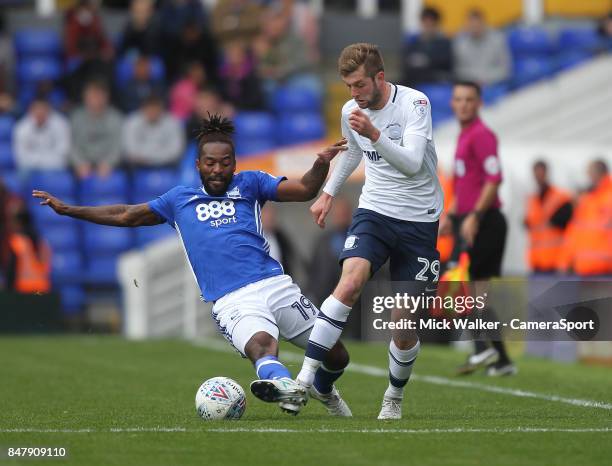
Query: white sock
x=325, y=333
x=400, y=368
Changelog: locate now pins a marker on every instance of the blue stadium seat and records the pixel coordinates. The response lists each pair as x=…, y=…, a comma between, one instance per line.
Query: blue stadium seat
x=62, y=237
x=493, y=92
x=150, y=183
x=7, y=162
x=114, y=185
x=37, y=42
x=528, y=70
x=32, y=70
x=145, y=235
x=124, y=69
x=67, y=267
x=12, y=181
x=439, y=95
x=571, y=58
x=294, y=99
x=6, y=128
x=250, y=146
x=60, y=183
x=579, y=39
x=530, y=41
x=100, y=239
x=72, y=298
x=300, y=127
x=257, y=125
x=101, y=270
x=104, y=200
x=441, y=115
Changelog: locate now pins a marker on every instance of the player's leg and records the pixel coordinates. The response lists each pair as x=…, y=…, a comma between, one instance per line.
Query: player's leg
x=415, y=269
x=366, y=249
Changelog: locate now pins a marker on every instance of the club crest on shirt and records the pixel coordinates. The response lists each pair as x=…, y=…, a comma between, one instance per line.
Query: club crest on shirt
x=351, y=242
x=234, y=193
x=420, y=106
x=394, y=131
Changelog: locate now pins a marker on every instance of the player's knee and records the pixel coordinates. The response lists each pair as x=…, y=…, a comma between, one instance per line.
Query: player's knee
x=337, y=358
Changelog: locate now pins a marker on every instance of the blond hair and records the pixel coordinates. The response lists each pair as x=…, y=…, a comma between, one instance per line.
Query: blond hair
x=355, y=55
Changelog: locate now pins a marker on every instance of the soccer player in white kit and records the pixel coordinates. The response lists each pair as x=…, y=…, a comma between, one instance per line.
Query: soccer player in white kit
x=398, y=211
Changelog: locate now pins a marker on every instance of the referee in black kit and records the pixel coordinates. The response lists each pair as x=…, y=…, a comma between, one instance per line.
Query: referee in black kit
x=475, y=217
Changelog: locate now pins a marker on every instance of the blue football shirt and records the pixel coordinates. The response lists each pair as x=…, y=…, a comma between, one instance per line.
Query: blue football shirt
x=222, y=235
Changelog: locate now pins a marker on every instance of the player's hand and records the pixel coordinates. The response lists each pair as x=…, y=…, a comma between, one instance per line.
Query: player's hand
x=321, y=208
x=360, y=122
x=327, y=154
x=469, y=229
x=51, y=201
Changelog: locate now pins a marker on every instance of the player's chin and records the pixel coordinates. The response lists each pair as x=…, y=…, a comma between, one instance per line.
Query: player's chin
x=216, y=187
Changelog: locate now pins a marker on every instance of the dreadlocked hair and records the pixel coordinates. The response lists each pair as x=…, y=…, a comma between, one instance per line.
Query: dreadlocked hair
x=215, y=128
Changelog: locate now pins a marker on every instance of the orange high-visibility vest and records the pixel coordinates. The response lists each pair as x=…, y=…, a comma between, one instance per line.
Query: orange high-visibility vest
x=545, y=240
x=32, y=274
x=445, y=242
x=587, y=246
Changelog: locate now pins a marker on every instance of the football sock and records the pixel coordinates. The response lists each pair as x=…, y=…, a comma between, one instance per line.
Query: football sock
x=325, y=378
x=501, y=350
x=479, y=346
x=269, y=367
x=400, y=368
x=325, y=333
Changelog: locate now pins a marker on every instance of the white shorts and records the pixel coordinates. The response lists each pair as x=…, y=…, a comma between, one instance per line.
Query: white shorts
x=274, y=305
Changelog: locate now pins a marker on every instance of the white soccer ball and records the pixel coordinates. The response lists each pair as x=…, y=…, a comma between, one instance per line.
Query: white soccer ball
x=220, y=398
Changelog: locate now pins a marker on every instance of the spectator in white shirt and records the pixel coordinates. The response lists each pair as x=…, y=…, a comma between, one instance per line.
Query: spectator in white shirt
x=41, y=138
x=152, y=137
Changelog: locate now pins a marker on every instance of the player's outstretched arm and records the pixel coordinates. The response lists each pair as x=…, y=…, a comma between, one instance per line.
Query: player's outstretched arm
x=307, y=188
x=121, y=215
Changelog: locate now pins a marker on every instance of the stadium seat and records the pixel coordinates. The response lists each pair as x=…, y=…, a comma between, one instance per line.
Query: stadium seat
x=7, y=162
x=32, y=70
x=100, y=239
x=37, y=42
x=441, y=115
x=145, y=235
x=60, y=183
x=150, y=183
x=6, y=128
x=439, y=95
x=256, y=125
x=530, y=41
x=124, y=69
x=12, y=181
x=493, y=92
x=300, y=127
x=114, y=185
x=67, y=267
x=528, y=70
x=72, y=299
x=295, y=99
x=253, y=146
x=578, y=39
x=62, y=237
x=571, y=58
x=101, y=270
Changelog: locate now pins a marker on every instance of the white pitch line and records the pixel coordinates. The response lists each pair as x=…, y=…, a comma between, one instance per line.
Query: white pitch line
x=379, y=372
x=457, y=430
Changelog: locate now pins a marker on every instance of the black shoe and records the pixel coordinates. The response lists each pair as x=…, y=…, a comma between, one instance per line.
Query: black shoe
x=477, y=360
x=501, y=368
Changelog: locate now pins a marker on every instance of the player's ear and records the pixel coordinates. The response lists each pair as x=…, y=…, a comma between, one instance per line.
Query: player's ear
x=379, y=77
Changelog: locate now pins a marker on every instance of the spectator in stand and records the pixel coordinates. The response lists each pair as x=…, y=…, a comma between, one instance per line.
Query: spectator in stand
x=175, y=15
x=208, y=101
x=183, y=93
x=429, y=57
x=140, y=86
x=194, y=44
x=142, y=34
x=96, y=133
x=9, y=203
x=152, y=137
x=41, y=138
x=6, y=58
x=281, y=55
x=241, y=85
x=236, y=20
x=481, y=54
x=605, y=33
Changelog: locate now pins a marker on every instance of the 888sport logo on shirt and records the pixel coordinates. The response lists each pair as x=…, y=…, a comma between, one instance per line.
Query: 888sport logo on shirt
x=217, y=212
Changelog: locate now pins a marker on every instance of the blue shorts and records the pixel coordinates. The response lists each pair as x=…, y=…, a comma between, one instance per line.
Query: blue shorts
x=410, y=246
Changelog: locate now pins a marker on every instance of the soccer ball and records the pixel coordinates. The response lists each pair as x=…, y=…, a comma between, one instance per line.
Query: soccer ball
x=220, y=398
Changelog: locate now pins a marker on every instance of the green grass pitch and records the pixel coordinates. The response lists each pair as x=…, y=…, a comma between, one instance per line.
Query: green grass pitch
x=113, y=402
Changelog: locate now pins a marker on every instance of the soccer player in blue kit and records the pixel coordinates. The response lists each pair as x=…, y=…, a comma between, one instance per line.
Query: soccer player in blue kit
x=219, y=225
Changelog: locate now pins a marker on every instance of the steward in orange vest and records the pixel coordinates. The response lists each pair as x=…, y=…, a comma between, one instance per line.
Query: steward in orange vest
x=587, y=247
x=446, y=242
x=548, y=213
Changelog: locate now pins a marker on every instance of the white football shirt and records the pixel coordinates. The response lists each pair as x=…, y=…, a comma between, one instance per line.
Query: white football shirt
x=387, y=191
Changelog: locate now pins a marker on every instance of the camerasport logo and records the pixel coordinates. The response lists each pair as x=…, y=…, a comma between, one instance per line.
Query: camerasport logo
x=218, y=212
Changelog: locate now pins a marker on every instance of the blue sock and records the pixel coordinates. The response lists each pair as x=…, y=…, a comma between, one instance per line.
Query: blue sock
x=269, y=367
x=325, y=378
